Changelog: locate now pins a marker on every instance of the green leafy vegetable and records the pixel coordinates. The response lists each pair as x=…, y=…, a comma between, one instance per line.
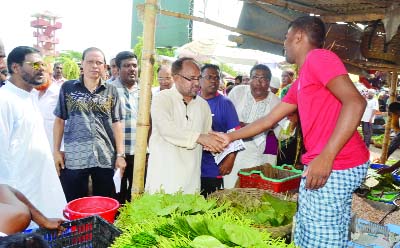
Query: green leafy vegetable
x=206, y=241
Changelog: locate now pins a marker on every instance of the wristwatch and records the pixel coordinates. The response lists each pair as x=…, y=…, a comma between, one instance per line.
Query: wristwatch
x=121, y=155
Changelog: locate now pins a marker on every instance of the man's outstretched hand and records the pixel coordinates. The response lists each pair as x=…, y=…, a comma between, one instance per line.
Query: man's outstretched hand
x=222, y=137
x=211, y=143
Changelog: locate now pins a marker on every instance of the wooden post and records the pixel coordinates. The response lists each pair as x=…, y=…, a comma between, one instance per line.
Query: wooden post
x=392, y=98
x=146, y=77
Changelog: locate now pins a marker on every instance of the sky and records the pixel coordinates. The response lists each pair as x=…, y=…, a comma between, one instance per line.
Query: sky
x=105, y=24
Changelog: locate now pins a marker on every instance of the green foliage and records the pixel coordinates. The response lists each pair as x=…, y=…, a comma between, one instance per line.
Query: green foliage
x=70, y=69
x=68, y=55
x=226, y=68
x=166, y=51
x=183, y=221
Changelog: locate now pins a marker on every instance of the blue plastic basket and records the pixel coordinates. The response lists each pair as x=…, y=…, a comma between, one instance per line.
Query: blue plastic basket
x=87, y=232
x=377, y=166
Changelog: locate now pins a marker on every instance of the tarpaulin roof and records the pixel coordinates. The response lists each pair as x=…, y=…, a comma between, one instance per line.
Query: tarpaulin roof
x=271, y=18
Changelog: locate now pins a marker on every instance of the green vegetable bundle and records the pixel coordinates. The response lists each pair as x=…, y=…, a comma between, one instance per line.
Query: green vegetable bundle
x=183, y=221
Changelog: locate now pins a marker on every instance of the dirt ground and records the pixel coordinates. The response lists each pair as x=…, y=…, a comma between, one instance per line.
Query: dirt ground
x=369, y=212
x=376, y=152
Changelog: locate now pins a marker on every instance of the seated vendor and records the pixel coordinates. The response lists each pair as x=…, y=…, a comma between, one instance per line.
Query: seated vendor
x=16, y=212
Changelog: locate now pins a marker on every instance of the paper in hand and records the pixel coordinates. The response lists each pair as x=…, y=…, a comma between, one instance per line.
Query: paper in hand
x=234, y=146
x=117, y=180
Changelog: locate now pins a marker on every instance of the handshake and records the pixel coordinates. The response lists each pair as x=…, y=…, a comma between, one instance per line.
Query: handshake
x=214, y=142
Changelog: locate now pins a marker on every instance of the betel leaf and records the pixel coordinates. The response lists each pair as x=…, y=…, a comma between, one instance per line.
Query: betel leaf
x=243, y=236
x=206, y=241
x=166, y=211
x=197, y=224
x=216, y=230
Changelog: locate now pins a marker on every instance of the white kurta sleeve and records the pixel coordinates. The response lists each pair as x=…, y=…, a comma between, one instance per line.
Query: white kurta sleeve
x=162, y=114
x=6, y=120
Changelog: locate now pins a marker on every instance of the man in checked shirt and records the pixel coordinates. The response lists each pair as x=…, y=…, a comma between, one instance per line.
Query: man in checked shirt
x=128, y=92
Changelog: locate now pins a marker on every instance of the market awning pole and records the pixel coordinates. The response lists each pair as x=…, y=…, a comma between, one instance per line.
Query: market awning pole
x=392, y=98
x=146, y=76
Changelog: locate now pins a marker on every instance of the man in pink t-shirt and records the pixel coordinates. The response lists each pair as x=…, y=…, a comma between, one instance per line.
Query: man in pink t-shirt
x=336, y=158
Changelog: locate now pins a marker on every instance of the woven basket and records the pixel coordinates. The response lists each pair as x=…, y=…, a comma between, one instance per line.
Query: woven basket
x=375, y=47
x=276, y=232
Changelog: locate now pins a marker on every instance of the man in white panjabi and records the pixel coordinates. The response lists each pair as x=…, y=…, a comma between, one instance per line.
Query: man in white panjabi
x=253, y=102
x=26, y=161
x=180, y=124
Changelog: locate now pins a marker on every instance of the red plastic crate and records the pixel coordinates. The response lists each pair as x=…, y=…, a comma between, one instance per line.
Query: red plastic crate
x=256, y=179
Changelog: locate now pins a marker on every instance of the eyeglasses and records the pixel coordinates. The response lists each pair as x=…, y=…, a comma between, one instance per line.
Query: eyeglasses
x=91, y=62
x=36, y=65
x=164, y=78
x=191, y=78
x=261, y=79
x=209, y=77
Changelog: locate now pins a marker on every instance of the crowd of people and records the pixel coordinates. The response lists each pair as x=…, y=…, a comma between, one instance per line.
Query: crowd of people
x=56, y=133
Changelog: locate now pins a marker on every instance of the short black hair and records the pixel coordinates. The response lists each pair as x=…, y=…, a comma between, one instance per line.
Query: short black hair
x=212, y=66
x=56, y=64
x=90, y=49
x=240, y=77
x=18, y=54
x=263, y=68
x=394, y=107
x=176, y=67
x=122, y=56
x=313, y=27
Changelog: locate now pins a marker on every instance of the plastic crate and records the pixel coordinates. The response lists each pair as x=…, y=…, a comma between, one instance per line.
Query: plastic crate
x=377, y=166
x=91, y=231
x=270, y=177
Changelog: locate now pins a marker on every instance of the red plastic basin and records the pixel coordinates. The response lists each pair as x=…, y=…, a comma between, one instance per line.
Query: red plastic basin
x=94, y=205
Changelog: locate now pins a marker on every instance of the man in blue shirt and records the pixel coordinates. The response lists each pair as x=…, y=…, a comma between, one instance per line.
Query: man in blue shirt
x=224, y=118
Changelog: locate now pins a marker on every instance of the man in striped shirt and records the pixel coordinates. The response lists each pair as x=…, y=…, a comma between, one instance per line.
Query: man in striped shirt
x=128, y=92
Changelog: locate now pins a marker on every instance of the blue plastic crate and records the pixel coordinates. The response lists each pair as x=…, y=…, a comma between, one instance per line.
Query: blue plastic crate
x=93, y=232
x=377, y=166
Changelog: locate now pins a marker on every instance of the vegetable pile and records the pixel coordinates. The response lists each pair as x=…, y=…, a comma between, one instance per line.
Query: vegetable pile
x=190, y=221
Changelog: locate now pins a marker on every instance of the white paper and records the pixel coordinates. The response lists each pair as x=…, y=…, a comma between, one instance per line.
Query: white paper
x=117, y=180
x=234, y=146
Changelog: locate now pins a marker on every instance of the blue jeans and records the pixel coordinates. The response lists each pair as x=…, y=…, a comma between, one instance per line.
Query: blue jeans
x=75, y=182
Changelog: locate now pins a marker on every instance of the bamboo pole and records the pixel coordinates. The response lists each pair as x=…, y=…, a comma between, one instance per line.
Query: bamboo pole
x=392, y=98
x=220, y=25
x=272, y=11
x=146, y=76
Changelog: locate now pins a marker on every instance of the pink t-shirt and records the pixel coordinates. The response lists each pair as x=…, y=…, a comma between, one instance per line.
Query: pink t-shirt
x=319, y=109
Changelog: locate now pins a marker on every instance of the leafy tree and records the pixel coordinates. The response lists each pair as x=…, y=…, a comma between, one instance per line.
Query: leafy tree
x=69, y=54
x=70, y=60
x=70, y=69
x=226, y=68
x=166, y=51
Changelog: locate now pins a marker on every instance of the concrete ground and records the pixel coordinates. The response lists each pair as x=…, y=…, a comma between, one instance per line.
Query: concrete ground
x=376, y=153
